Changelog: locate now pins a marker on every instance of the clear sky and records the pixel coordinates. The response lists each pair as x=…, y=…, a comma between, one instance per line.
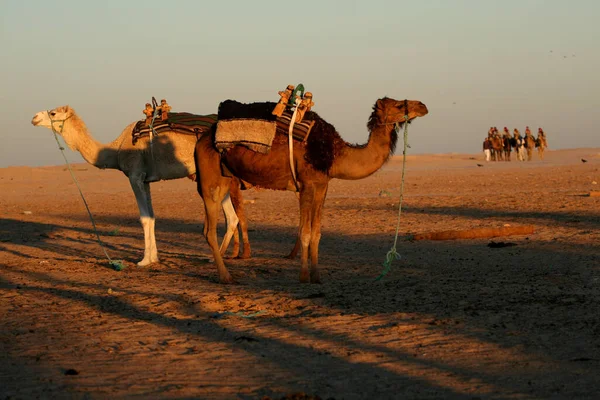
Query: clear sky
x=474, y=63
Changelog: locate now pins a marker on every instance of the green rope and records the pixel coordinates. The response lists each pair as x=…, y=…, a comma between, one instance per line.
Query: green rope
x=116, y=264
x=393, y=254
x=239, y=314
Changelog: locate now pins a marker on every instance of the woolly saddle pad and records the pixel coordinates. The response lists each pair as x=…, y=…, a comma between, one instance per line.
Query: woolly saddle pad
x=185, y=123
x=250, y=125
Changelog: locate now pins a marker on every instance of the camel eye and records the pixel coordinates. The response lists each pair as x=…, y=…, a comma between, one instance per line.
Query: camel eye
x=53, y=113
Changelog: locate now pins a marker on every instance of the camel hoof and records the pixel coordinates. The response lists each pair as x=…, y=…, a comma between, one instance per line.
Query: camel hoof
x=146, y=262
x=315, y=277
x=304, y=276
x=226, y=280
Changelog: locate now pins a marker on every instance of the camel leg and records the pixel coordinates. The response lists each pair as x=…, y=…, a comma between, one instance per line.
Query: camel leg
x=232, y=222
x=295, y=250
x=153, y=248
x=304, y=231
x=212, y=200
x=315, y=233
x=143, y=198
x=238, y=204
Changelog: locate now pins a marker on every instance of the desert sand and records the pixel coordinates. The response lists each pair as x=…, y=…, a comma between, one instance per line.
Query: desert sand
x=452, y=319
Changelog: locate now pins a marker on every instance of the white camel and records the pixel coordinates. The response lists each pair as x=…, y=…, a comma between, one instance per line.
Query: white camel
x=170, y=155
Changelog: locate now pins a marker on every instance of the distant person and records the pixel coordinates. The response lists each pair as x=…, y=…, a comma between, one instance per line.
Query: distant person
x=542, y=135
x=487, y=148
x=520, y=145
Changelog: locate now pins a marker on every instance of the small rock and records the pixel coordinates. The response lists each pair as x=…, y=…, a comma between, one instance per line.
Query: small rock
x=71, y=371
x=29, y=212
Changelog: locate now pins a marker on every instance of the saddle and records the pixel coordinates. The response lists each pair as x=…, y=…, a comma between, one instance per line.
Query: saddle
x=159, y=118
x=254, y=126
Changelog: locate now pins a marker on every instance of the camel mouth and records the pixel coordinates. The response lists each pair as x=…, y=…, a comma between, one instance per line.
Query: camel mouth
x=35, y=121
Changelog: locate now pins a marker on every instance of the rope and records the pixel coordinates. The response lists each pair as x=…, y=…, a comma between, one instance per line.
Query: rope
x=291, y=143
x=239, y=314
x=116, y=264
x=392, y=254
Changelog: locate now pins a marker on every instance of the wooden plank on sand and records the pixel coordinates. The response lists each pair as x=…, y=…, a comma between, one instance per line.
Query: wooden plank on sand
x=476, y=233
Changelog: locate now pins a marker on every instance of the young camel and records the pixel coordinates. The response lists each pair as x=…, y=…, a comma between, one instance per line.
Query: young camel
x=323, y=157
x=171, y=156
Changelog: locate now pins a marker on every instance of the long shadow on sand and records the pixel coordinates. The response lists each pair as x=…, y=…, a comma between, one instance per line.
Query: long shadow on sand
x=503, y=296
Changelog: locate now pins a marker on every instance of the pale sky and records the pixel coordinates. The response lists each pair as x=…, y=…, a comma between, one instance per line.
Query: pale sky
x=474, y=63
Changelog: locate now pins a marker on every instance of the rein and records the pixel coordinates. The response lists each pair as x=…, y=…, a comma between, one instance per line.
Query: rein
x=117, y=265
x=392, y=254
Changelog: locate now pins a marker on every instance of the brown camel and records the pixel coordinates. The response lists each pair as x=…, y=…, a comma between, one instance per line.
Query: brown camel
x=507, y=144
x=541, y=143
x=323, y=157
x=172, y=158
x=497, y=147
x=529, y=145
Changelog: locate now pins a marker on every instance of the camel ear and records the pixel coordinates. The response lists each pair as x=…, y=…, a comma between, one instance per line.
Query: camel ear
x=379, y=104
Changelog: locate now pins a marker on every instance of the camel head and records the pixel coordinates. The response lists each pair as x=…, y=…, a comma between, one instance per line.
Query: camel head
x=52, y=117
x=390, y=111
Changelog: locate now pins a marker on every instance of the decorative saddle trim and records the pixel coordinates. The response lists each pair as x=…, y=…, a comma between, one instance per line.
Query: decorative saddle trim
x=184, y=123
x=301, y=129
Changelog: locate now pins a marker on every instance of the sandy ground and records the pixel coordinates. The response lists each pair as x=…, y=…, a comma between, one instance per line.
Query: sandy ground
x=452, y=319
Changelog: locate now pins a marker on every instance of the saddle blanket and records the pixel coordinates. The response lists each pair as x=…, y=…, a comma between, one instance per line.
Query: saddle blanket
x=254, y=126
x=250, y=125
x=184, y=123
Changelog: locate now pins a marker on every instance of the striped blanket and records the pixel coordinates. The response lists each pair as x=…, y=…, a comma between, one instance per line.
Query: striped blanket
x=184, y=123
x=301, y=130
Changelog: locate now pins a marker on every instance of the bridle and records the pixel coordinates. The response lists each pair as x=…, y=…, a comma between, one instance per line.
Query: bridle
x=61, y=121
x=398, y=122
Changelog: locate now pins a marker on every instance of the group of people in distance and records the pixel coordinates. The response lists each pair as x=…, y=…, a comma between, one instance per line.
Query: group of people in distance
x=498, y=147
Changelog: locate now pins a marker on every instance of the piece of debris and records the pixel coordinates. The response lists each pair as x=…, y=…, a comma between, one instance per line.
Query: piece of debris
x=27, y=212
x=384, y=193
x=71, y=371
x=245, y=339
x=314, y=295
x=583, y=160
x=497, y=245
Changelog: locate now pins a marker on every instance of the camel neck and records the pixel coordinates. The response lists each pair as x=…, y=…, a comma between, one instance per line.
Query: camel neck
x=357, y=162
x=78, y=138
